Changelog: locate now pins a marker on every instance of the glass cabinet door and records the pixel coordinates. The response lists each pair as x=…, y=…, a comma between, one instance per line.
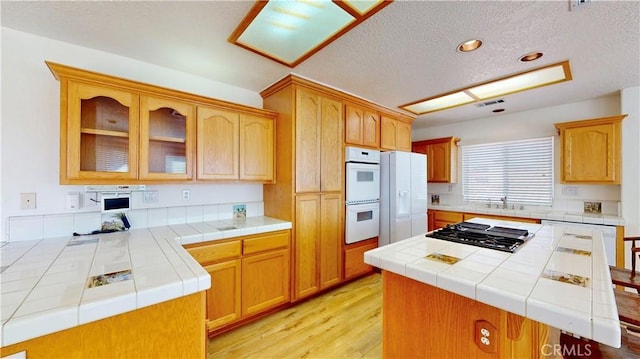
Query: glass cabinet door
x=166, y=138
x=102, y=132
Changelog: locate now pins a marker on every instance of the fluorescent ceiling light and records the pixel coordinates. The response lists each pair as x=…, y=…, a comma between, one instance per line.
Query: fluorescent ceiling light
x=544, y=76
x=289, y=31
x=440, y=103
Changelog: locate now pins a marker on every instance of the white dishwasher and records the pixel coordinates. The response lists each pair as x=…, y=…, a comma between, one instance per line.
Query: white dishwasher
x=608, y=236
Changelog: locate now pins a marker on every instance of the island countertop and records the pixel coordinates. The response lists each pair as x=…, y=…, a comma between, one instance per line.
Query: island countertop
x=559, y=277
x=54, y=284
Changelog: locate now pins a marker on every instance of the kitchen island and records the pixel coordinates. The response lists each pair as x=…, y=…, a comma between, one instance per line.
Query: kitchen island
x=446, y=299
x=120, y=295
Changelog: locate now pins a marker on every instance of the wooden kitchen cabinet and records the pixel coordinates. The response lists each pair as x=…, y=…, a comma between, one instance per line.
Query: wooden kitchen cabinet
x=265, y=272
x=331, y=238
x=431, y=220
x=167, y=136
x=234, y=146
x=442, y=218
x=468, y=216
x=249, y=275
x=319, y=163
x=98, y=134
x=318, y=250
x=442, y=158
x=223, y=299
x=354, y=264
x=309, y=191
x=590, y=150
x=218, y=138
x=314, y=126
x=256, y=148
x=362, y=126
x=118, y=131
x=222, y=262
x=395, y=134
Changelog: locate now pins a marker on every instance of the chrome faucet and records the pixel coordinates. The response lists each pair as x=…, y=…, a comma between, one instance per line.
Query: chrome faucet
x=504, y=202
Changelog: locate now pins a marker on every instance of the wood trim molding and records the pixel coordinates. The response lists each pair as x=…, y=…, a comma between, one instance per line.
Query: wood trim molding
x=293, y=79
x=60, y=72
x=590, y=122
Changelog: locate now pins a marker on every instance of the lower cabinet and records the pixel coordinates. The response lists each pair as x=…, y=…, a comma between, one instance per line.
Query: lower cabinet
x=225, y=278
x=505, y=218
x=318, y=239
x=442, y=218
x=354, y=264
x=439, y=219
x=249, y=275
x=265, y=281
x=431, y=220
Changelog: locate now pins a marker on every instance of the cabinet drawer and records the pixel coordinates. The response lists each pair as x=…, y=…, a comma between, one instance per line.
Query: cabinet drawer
x=354, y=264
x=265, y=242
x=215, y=252
x=444, y=216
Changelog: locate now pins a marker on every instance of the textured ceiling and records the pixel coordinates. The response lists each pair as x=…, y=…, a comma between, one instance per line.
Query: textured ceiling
x=404, y=53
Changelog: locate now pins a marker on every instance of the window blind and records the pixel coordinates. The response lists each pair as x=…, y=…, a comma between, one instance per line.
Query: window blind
x=521, y=171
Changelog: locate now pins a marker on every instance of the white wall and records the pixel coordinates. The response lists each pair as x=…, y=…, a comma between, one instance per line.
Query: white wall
x=630, y=191
x=30, y=124
x=531, y=124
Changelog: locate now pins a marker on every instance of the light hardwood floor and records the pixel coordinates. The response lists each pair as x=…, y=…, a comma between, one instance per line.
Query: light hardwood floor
x=343, y=323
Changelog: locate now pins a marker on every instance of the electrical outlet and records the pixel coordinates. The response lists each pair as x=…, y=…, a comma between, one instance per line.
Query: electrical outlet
x=186, y=194
x=486, y=336
x=27, y=200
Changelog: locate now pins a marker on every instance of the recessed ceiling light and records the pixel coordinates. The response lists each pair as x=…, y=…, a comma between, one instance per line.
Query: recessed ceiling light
x=469, y=45
x=289, y=32
x=530, y=56
x=528, y=80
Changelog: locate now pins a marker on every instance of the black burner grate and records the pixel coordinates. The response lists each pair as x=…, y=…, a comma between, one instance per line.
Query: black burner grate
x=481, y=236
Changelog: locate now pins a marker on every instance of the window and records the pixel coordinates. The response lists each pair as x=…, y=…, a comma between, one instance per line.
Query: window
x=521, y=171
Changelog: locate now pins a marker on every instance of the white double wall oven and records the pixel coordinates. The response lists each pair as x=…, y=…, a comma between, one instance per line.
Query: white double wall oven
x=362, y=211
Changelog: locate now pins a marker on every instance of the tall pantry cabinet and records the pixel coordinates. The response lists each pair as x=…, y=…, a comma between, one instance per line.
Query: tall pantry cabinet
x=309, y=180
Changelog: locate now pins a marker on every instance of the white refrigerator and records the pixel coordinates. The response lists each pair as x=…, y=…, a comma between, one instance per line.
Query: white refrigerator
x=403, y=196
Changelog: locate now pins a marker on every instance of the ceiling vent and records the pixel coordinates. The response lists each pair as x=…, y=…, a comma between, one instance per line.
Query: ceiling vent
x=578, y=4
x=489, y=103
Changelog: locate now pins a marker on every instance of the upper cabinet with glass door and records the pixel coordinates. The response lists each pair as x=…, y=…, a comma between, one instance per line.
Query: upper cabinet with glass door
x=99, y=139
x=118, y=131
x=167, y=130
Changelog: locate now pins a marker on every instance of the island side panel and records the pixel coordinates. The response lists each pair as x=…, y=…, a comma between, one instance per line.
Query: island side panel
x=172, y=329
x=422, y=321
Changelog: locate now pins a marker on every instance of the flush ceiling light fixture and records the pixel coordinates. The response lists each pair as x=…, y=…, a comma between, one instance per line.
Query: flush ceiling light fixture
x=469, y=45
x=532, y=56
x=289, y=31
x=523, y=81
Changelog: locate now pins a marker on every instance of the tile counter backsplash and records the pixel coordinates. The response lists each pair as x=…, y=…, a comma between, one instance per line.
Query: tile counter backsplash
x=58, y=225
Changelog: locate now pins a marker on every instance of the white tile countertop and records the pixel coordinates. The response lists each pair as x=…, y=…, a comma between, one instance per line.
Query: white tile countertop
x=535, y=213
x=532, y=282
x=53, y=284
